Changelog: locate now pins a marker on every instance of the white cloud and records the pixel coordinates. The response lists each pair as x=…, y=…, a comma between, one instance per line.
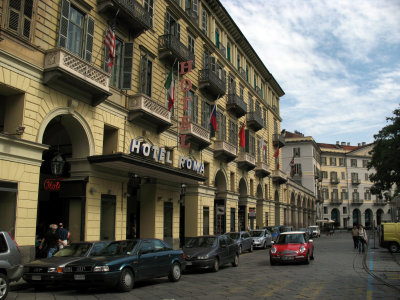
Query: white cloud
x=337, y=61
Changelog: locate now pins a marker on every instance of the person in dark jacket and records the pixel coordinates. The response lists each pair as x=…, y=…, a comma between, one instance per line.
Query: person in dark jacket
x=52, y=239
x=64, y=236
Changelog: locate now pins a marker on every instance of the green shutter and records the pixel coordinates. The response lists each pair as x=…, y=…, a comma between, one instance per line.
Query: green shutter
x=89, y=38
x=127, y=65
x=64, y=21
x=143, y=72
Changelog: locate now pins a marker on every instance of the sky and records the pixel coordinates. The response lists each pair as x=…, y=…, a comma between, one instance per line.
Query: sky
x=338, y=62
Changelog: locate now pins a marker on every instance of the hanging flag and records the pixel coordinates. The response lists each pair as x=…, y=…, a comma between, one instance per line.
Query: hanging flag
x=292, y=167
x=213, y=119
x=170, y=86
x=109, y=42
x=276, y=153
x=242, y=137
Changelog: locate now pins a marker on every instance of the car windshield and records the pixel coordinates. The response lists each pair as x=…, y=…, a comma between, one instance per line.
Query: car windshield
x=256, y=233
x=202, y=242
x=118, y=248
x=233, y=235
x=74, y=250
x=291, y=239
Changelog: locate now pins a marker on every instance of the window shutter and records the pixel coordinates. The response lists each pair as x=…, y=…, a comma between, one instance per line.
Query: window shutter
x=195, y=109
x=196, y=6
x=14, y=13
x=247, y=139
x=143, y=72
x=64, y=21
x=167, y=23
x=223, y=127
x=89, y=38
x=127, y=65
x=28, y=8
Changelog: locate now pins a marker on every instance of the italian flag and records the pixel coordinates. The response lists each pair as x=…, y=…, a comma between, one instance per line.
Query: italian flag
x=169, y=85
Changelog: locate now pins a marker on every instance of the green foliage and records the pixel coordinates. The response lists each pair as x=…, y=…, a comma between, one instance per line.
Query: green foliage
x=386, y=158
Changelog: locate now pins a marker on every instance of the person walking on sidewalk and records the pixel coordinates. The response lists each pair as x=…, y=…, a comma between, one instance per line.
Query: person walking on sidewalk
x=354, y=233
x=64, y=236
x=362, y=239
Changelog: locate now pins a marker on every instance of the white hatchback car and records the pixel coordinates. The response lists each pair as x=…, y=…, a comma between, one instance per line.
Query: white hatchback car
x=314, y=231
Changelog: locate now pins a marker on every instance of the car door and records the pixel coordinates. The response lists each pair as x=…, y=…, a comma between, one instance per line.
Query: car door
x=163, y=257
x=146, y=260
x=232, y=246
x=247, y=240
x=223, y=249
x=268, y=237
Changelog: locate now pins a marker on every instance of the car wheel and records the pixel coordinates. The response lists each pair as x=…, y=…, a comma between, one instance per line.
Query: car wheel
x=393, y=247
x=312, y=255
x=272, y=262
x=215, y=267
x=265, y=245
x=126, y=280
x=307, y=261
x=175, y=273
x=251, y=248
x=235, y=262
x=4, y=286
x=240, y=249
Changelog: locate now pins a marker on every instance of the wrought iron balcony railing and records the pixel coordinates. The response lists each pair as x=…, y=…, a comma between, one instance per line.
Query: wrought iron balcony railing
x=254, y=120
x=278, y=140
x=236, y=105
x=171, y=48
x=197, y=136
x=211, y=83
x=224, y=150
x=246, y=161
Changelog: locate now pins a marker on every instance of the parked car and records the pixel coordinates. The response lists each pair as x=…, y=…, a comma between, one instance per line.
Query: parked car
x=262, y=238
x=244, y=240
x=389, y=236
x=211, y=252
x=285, y=228
x=51, y=270
x=274, y=230
x=11, y=268
x=292, y=246
x=315, y=231
x=122, y=263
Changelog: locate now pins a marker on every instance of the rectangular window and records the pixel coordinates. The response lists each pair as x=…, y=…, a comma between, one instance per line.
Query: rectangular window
x=191, y=43
x=20, y=17
x=233, y=133
x=238, y=61
x=206, y=220
x=324, y=174
x=335, y=194
x=344, y=210
x=204, y=22
x=296, y=152
x=366, y=176
x=297, y=169
x=228, y=51
x=251, y=103
x=76, y=31
x=367, y=194
x=206, y=114
x=353, y=162
x=343, y=175
x=325, y=193
x=325, y=210
x=265, y=117
x=172, y=26
x=149, y=7
x=250, y=143
x=121, y=72
x=323, y=160
x=241, y=91
x=365, y=163
x=221, y=129
x=146, y=70
x=332, y=161
x=343, y=194
x=342, y=161
x=193, y=107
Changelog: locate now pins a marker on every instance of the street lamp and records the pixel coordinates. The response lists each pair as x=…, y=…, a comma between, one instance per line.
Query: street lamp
x=57, y=165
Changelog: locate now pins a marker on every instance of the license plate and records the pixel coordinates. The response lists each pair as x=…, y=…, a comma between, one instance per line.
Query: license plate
x=188, y=263
x=287, y=257
x=36, y=277
x=79, y=277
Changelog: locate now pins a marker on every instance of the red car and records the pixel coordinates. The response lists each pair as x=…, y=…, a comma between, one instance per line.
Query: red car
x=292, y=246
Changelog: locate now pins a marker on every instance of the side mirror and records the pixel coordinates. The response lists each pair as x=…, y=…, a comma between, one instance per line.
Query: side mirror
x=272, y=242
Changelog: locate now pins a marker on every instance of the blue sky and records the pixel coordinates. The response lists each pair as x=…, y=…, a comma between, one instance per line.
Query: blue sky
x=337, y=61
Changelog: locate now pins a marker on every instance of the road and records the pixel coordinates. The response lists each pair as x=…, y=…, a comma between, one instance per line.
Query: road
x=338, y=272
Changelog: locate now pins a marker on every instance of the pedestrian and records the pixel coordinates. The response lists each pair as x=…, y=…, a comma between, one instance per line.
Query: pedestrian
x=64, y=236
x=52, y=239
x=354, y=232
x=362, y=239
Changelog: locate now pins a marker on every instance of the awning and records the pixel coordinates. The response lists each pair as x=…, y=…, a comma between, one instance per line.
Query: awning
x=145, y=167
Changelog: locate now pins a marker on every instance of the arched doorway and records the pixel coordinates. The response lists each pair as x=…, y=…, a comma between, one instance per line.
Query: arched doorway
x=220, y=204
x=62, y=198
x=368, y=218
x=335, y=216
x=242, y=208
x=379, y=214
x=356, y=217
x=277, y=209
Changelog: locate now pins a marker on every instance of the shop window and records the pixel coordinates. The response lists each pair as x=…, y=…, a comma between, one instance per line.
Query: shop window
x=206, y=220
x=8, y=201
x=107, y=217
x=110, y=139
x=76, y=31
x=20, y=17
x=121, y=71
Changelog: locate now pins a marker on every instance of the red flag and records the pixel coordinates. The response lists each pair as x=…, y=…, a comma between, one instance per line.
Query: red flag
x=242, y=137
x=109, y=42
x=276, y=153
x=213, y=119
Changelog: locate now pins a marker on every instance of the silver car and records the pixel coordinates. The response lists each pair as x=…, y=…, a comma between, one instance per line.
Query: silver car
x=244, y=240
x=261, y=238
x=11, y=268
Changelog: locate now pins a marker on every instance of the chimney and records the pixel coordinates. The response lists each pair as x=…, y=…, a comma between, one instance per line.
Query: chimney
x=343, y=143
x=337, y=143
x=359, y=144
x=348, y=143
x=363, y=143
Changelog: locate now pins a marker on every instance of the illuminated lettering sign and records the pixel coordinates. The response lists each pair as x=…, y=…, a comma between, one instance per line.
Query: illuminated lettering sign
x=52, y=185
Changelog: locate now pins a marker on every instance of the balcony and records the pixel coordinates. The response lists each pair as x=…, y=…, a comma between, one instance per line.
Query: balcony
x=236, y=105
x=278, y=140
x=130, y=12
x=278, y=176
x=262, y=169
x=379, y=202
x=336, y=201
x=171, y=49
x=192, y=15
x=357, y=201
x=355, y=181
x=242, y=73
x=254, y=121
x=335, y=180
x=221, y=48
x=212, y=84
x=246, y=161
x=225, y=151
x=145, y=111
x=74, y=76
x=197, y=136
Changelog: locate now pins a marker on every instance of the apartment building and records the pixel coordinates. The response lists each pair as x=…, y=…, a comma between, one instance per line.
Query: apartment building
x=98, y=149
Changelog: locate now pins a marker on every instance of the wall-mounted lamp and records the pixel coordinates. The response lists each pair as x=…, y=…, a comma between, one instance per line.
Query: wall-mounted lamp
x=159, y=198
x=127, y=195
x=183, y=189
x=92, y=190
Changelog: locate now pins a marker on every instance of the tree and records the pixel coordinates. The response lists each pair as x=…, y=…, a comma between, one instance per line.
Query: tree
x=386, y=159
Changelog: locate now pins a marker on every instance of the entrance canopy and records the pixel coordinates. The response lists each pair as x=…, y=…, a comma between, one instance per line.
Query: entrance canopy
x=145, y=167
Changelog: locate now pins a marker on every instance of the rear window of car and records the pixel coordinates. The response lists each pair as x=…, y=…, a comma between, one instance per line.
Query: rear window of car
x=3, y=244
